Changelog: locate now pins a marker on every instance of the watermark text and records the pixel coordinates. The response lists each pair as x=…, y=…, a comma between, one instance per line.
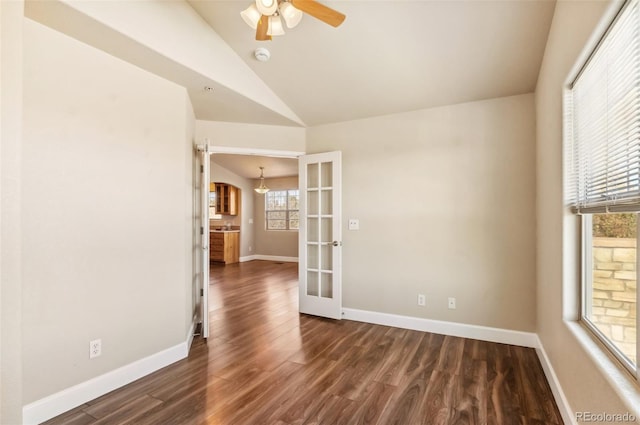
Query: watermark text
x=605, y=417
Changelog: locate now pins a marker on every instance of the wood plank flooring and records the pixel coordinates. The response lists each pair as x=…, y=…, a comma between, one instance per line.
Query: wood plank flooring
x=266, y=364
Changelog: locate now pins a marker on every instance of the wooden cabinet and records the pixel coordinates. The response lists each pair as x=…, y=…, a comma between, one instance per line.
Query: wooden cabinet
x=226, y=199
x=224, y=247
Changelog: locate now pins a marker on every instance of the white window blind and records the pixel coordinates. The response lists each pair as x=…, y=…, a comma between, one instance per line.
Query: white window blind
x=603, y=122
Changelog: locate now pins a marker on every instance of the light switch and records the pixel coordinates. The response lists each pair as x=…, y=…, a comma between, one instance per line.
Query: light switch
x=354, y=224
x=250, y=221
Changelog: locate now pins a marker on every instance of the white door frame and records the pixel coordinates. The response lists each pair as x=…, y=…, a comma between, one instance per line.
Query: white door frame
x=204, y=154
x=212, y=150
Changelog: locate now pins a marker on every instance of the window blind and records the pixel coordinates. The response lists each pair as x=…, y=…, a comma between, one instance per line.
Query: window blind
x=603, y=122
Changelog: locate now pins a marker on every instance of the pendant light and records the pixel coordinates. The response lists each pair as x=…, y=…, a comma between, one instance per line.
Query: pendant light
x=262, y=189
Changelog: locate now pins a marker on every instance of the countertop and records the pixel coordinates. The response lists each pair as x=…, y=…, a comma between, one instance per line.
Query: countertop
x=223, y=231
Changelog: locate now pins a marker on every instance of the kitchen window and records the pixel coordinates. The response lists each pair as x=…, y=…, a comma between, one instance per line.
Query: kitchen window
x=282, y=209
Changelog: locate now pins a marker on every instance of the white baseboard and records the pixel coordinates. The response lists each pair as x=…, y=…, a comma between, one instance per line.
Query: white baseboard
x=504, y=336
x=561, y=400
x=67, y=399
x=55, y=404
x=269, y=258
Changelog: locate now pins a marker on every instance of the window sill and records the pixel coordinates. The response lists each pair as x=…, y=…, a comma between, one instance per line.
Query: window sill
x=624, y=384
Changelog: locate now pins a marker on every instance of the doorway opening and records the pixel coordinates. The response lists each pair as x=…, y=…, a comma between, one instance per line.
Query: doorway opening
x=238, y=168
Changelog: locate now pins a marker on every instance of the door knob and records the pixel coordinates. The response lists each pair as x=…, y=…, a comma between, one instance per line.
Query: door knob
x=336, y=243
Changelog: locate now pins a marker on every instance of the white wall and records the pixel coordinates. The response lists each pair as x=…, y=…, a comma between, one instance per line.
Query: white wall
x=11, y=14
x=446, y=202
x=106, y=198
x=253, y=137
x=222, y=175
x=274, y=242
x=585, y=383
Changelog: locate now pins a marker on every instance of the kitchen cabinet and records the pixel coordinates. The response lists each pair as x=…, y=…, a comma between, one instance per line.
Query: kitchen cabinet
x=224, y=246
x=226, y=199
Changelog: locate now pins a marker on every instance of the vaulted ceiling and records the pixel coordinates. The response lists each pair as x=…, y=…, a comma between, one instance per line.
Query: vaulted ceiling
x=387, y=57
x=394, y=56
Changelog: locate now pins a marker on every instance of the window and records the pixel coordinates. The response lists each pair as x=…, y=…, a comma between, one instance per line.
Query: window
x=281, y=209
x=602, y=122
x=610, y=275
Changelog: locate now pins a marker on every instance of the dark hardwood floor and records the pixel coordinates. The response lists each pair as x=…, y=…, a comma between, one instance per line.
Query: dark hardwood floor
x=266, y=364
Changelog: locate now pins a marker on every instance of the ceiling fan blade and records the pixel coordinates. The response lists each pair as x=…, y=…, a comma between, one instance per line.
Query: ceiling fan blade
x=261, y=29
x=319, y=11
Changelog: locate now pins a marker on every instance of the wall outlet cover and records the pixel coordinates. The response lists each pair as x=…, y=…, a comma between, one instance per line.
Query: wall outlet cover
x=452, y=303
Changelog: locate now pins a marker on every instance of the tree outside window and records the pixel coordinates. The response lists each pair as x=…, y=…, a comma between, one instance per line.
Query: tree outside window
x=282, y=209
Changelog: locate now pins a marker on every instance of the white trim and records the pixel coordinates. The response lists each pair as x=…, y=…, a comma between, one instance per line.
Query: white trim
x=254, y=151
x=561, y=400
x=190, y=332
x=205, y=185
x=617, y=376
x=69, y=398
x=275, y=258
x=484, y=333
x=269, y=258
x=599, y=31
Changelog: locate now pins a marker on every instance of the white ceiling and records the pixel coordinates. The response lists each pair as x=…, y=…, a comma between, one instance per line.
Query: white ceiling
x=248, y=166
x=392, y=56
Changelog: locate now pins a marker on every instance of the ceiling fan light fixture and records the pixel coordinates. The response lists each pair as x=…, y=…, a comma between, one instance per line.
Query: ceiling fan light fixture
x=251, y=15
x=268, y=23
x=291, y=14
x=267, y=7
x=275, y=25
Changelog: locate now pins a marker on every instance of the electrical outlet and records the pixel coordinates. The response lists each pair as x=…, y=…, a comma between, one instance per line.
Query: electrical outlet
x=354, y=224
x=421, y=300
x=95, y=348
x=250, y=248
x=452, y=303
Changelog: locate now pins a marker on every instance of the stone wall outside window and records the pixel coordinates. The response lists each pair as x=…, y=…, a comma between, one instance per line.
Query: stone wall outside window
x=614, y=291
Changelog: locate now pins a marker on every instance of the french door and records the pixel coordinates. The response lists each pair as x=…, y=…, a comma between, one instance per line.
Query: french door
x=320, y=240
x=205, y=158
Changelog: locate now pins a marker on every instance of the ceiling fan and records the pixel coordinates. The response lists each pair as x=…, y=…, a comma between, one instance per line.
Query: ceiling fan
x=264, y=16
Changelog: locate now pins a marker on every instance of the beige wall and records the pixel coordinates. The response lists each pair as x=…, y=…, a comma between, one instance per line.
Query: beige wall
x=222, y=175
x=446, y=202
x=11, y=14
x=278, y=243
x=586, y=387
x=251, y=136
x=106, y=195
